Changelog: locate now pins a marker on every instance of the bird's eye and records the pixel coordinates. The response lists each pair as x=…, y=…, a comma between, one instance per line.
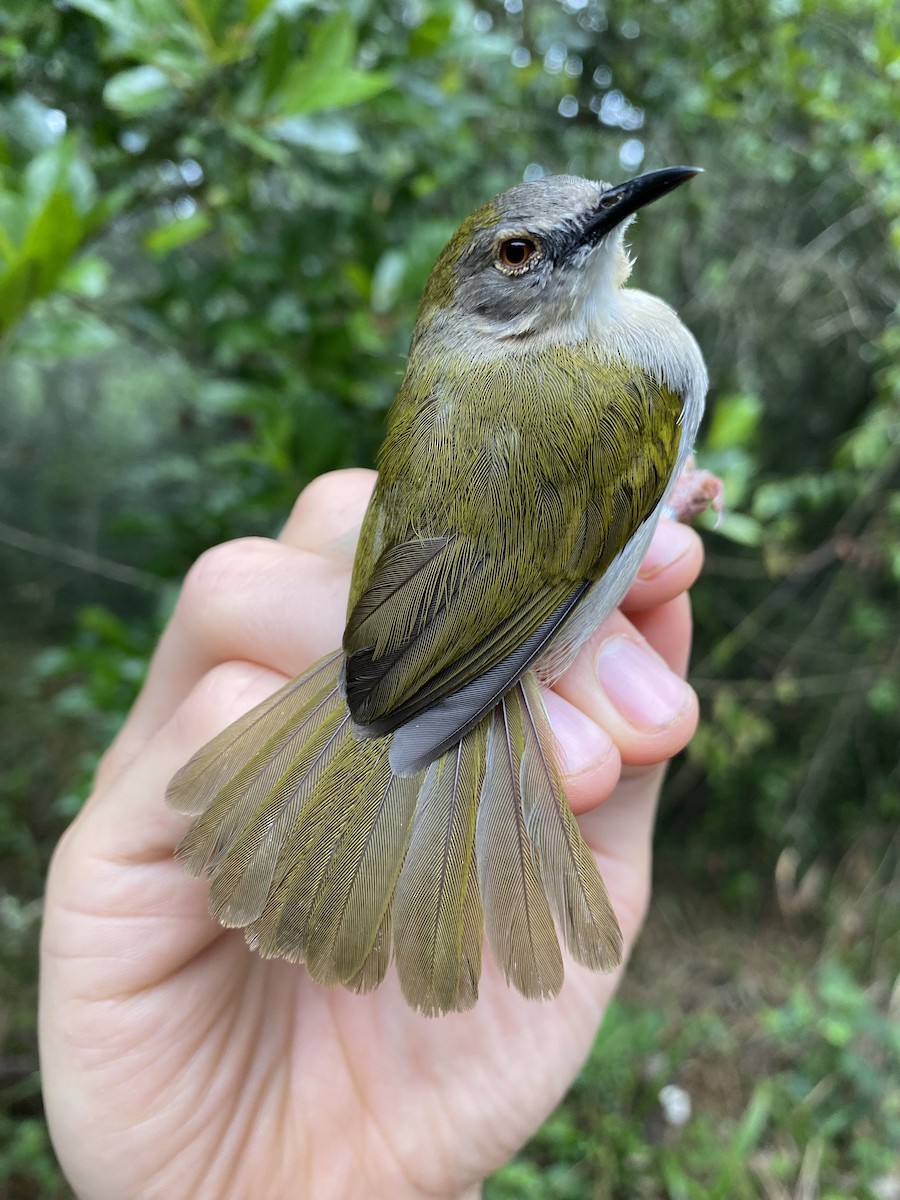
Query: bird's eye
x=515, y=252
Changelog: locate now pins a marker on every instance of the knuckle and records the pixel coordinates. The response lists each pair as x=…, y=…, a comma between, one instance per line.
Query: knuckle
x=225, y=693
x=332, y=489
x=220, y=572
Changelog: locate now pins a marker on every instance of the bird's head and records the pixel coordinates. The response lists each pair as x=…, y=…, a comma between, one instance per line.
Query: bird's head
x=543, y=255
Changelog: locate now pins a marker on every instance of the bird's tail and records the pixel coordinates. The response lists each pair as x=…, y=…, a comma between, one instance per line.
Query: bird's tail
x=325, y=857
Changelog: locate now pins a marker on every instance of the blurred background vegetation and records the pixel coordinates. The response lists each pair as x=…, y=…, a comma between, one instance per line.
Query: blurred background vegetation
x=216, y=217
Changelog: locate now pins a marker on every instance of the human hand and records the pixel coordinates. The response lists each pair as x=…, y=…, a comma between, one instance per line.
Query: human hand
x=176, y=1062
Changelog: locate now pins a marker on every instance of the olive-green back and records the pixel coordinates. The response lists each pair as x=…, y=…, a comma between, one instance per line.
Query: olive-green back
x=506, y=487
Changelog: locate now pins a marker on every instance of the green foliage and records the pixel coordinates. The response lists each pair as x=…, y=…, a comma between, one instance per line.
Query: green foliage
x=823, y=1108
x=26, y=1158
x=216, y=217
x=45, y=216
x=97, y=676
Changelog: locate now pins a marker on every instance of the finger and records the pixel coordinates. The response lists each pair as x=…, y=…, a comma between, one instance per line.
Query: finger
x=620, y=833
x=588, y=757
x=329, y=512
x=671, y=565
x=262, y=602
x=627, y=688
x=668, y=630
x=149, y=829
x=115, y=860
x=250, y=600
x=240, y=601
x=620, y=829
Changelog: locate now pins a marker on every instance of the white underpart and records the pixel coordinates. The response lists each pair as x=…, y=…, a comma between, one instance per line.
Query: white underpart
x=629, y=326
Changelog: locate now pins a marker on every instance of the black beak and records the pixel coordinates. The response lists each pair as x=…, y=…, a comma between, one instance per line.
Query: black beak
x=626, y=198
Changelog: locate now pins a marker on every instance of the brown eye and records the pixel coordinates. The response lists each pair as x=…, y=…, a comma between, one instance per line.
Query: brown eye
x=515, y=252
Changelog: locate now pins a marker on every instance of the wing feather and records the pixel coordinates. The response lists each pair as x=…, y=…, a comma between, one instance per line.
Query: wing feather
x=241, y=880
x=245, y=810
x=480, y=529
x=193, y=788
x=374, y=969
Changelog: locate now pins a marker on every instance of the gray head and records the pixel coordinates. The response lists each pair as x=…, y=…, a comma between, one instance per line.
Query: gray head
x=541, y=250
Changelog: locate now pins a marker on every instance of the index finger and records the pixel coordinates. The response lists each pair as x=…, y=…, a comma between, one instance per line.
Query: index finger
x=328, y=513
x=214, y=620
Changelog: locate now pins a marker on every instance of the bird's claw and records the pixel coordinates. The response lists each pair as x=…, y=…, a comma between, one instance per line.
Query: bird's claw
x=694, y=492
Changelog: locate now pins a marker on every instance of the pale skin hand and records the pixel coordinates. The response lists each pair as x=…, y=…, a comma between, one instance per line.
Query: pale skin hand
x=177, y=1063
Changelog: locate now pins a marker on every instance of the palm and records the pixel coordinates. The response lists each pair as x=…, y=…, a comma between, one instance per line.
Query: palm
x=244, y=1065
x=177, y=1063
x=429, y=1112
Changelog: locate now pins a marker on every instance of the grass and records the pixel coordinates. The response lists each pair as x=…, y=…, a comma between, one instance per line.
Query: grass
x=790, y=1065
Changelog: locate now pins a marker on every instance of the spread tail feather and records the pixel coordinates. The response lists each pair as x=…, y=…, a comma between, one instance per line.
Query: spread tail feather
x=436, y=913
x=568, y=871
x=325, y=856
x=330, y=906
x=517, y=917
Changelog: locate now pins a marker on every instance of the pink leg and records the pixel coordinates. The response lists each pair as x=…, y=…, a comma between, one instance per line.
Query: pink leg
x=694, y=492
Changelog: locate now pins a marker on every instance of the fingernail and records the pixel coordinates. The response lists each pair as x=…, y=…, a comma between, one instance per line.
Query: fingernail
x=670, y=542
x=640, y=684
x=581, y=743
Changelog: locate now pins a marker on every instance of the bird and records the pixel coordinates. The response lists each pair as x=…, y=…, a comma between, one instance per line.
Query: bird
x=401, y=801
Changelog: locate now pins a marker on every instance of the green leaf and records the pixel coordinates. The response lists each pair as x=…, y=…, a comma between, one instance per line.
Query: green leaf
x=258, y=142
x=60, y=169
x=305, y=91
x=87, y=277
x=426, y=39
x=736, y=527
x=178, y=233
x=51, y=239
x=276, y=59
x=331, y=43
x=324, y=77
x=387, y=280
x=328, y=135
x=139, y=90
x=735, y=421
x=117, y=17
x=53, y=236
x=753, y=1121
x=62, y=333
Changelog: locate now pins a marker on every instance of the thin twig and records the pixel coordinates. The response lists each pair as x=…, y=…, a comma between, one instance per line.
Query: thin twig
x=81, y=560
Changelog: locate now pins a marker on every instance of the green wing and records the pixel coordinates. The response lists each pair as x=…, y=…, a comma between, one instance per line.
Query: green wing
x=506, y=489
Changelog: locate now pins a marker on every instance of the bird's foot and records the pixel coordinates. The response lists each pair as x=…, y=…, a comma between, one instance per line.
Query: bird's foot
x=694, y=492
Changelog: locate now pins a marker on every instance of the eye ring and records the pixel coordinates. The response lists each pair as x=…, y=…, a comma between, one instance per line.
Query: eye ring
x=516, y=254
